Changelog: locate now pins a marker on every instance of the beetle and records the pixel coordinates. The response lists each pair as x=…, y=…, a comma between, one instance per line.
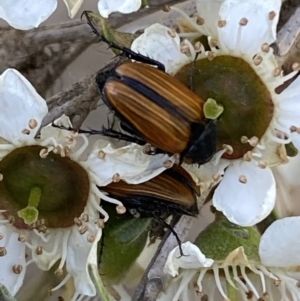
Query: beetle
x=155, y=108
x=173, y=192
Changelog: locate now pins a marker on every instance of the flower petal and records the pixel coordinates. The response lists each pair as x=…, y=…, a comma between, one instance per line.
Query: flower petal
x=26, y=14
x=157, y=43
x=19, y=103
x=129, y=162
x=73, y=7
x=193, y=259
x=80, y=253
x=106, y=7
x=280, y=244
x=248, y=203
x=259, y=29
x=15, y=256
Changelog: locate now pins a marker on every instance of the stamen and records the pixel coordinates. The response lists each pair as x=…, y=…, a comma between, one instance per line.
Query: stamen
x=191, y=48
x=116, y=178
x=42, y=236
x=187, y=277
x=267, y=273
x=265, y=47
x=249, y=283
x=243, y=179
x=168, y=164
x=59, y=272
x=262, y=278
x=17, y=268
x=238, y=280
x=80, y=151
x=105, y=197
x=221, y=23
x=257, y=60
x=218, y=282
x=271, y=15
x=39, y=250
x=3, y=251
x=32, y=124
x=100, y=209
x=228, y=148
x=243, y=21
x=64, y=250
x=120, y=209
x=63, y=282
x=228, y=277
x=25, y=131
x=101, y=154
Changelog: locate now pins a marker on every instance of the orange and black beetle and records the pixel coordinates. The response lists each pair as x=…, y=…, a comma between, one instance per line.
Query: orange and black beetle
x=155, y=108
x=173, y=192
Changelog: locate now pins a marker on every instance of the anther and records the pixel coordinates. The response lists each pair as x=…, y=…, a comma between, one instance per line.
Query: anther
x=228, y=148
x=253, y=141
x=74, y=134
x=39, y=250
x=84, y=217
x=213, y=42
x=58, y=272
x=257, y=60
x=199, y=293
x=91, y=238
x=101, y=154
x=22, y=238
x=296, y=66
x=197, y=46
x=147, y=148
x=244, y=139
x=249, y=295
x=1, y=236
x=1, y=177
x=69, y=140
x=77, y=222
x=25, y=131
x=243, y=21
x=171, y=33
x=17, y=269
x=200, y=21
x=3, y=251
x=184, y=48
x=216, y=177
x=166, y=8
x=168, y=164
x=221, y=23
x=56, y=150
x=294, y=129
x=210, y=55
x=11, y=219
x=272, y=15
x=116, y=178
x=44, y=153
x=243, y=179
x=277, y=72
x=120, y=209
x=100, y=223
x=63, y=152
x=32, y=226
x=265, y=47
x=43, y=229
x=83, y=229
x=32, y=123
x=277, y=282
x=262, y=164
x=247, y=156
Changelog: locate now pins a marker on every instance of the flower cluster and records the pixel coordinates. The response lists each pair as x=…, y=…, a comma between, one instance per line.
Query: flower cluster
x=50, y=196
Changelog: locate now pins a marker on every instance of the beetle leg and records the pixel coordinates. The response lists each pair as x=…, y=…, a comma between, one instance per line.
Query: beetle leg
x=125, y=51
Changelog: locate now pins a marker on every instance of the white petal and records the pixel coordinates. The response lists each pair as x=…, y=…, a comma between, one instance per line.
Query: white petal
x=73, y=7
x=80, y=254
x=249, y=203
x=193, y=259
x=19, y=102
x=259, y=29
x=157, y=43
x=26, y=14
x=106, y=7
x=129, y=162
x=209, y=11
x=280, y=244
x=15, y=256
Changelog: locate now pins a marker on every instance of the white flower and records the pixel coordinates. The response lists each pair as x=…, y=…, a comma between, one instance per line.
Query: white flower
x=274, y=276
x=49, y=198
x=240, y=32
x=106, y=7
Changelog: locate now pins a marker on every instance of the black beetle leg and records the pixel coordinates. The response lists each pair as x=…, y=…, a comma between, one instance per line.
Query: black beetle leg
x=125, y=51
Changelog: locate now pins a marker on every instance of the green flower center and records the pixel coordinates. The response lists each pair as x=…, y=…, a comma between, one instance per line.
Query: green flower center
x=53, y=190
x=247, y=103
